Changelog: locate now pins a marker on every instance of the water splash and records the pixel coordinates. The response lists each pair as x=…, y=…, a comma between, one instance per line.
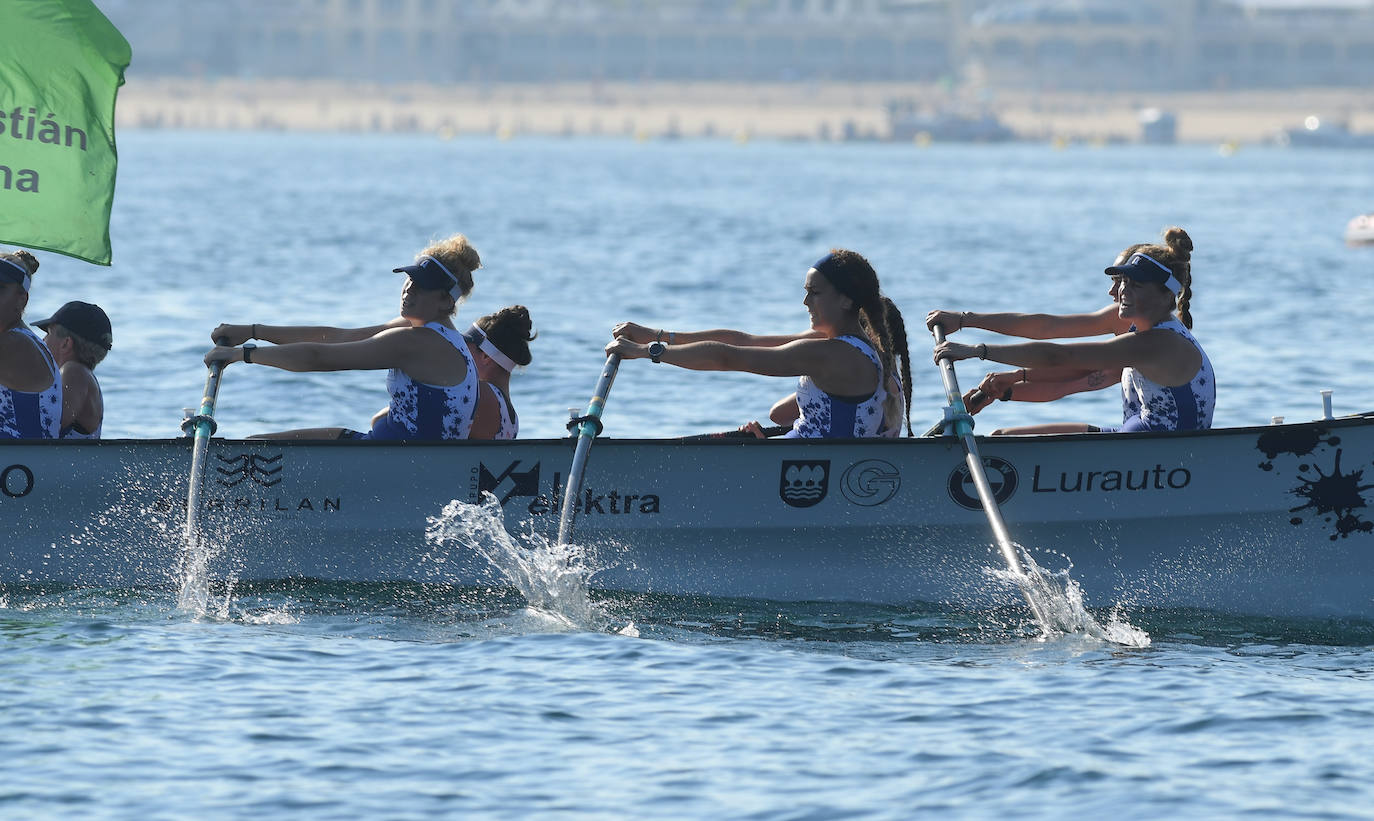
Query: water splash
x=552, y=577
x=1060, y=599
x=194, y=594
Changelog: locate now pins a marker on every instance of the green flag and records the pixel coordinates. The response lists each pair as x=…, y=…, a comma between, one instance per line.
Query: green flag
x=61, y=64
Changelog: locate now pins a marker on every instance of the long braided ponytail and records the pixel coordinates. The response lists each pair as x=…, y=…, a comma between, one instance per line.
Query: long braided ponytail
x=854, y=277
x=1177, y=254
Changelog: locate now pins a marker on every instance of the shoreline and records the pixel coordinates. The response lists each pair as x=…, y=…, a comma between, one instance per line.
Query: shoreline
x=802, y=111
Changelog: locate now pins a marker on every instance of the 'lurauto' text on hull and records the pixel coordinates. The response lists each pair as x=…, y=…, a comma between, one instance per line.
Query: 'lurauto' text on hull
x=1156, y=478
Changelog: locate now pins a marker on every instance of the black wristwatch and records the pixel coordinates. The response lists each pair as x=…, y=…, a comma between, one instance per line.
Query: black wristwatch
x=656, y=350
x=248, y=349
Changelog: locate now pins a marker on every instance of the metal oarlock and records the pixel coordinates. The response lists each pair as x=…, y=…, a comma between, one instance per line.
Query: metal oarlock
x=953, y=416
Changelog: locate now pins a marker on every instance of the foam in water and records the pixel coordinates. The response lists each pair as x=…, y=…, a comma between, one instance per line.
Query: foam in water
x=552, y=577
x=1060, y=599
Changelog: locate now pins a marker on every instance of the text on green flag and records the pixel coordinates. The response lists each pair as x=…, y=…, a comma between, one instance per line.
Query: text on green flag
x=60, y=69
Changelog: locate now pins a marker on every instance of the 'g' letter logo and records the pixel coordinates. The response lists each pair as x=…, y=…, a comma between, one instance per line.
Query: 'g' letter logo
x=870, y=482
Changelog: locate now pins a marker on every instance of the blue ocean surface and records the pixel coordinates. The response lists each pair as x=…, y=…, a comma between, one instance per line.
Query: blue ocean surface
x=316, y=700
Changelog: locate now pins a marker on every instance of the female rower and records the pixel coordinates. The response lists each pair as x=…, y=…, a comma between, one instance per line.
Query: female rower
x=1047, y=384
x=1166, y=378
x=30, y=384
x=498, y=343
x=79, y=336
x=847, y=362
x=431, y=375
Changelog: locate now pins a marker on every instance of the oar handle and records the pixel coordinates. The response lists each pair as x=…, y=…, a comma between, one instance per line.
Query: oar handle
x=768, y=433
x=957, y=419
x=204, y=424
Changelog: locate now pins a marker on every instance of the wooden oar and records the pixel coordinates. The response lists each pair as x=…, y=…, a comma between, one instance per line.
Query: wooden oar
x=768, y=433
x=959, y=423
x=588, y=429
x=204, y=424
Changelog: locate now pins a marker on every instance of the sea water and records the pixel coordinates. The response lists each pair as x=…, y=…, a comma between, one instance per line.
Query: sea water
x=546, y=697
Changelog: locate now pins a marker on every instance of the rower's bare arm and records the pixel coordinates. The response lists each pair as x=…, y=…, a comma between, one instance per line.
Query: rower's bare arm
x=785, y=411
x=22, y=366
x=835, y=366
x=744, y=340
x=643, y=335
x=410, y=349
x=1032, y=326
x=77, y=386
x=289, y=334
x=486, y=419
x=1162, y=356
x=1048, y=391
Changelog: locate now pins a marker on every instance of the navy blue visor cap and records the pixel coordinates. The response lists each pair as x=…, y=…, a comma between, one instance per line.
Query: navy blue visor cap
x=11, y=271
x=432, y=274
x=1145, y=268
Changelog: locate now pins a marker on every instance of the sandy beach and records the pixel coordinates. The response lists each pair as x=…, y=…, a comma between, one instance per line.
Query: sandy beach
x=736, y=111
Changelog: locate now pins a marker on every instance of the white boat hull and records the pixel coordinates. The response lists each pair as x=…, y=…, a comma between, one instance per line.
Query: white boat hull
x=1269, y=520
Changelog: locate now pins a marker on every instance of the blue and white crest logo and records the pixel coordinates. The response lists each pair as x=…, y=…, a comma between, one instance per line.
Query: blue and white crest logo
x=804, y=483
x=870, y=482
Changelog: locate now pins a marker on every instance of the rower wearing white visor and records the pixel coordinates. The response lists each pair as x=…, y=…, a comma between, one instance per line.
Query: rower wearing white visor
x=30, y=385
x=1166, y=378
x=499, y=343
x=431, y=375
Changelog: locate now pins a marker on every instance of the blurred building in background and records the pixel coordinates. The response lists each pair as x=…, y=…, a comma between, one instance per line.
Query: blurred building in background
x=1088, y=45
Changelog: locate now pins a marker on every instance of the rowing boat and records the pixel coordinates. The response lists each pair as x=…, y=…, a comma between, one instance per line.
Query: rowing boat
x=1270, y=520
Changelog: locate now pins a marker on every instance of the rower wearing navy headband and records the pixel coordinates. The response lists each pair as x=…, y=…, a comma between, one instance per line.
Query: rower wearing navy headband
x=1166, y=379
x=431, y=376
x=499, y=343
x=30, y=384
x=847, y=362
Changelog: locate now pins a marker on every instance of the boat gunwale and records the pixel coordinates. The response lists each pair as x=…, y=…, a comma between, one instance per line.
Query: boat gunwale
x=1350, y=420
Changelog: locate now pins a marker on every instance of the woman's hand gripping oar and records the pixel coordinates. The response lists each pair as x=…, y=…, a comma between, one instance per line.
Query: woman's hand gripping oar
x=958, y=422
